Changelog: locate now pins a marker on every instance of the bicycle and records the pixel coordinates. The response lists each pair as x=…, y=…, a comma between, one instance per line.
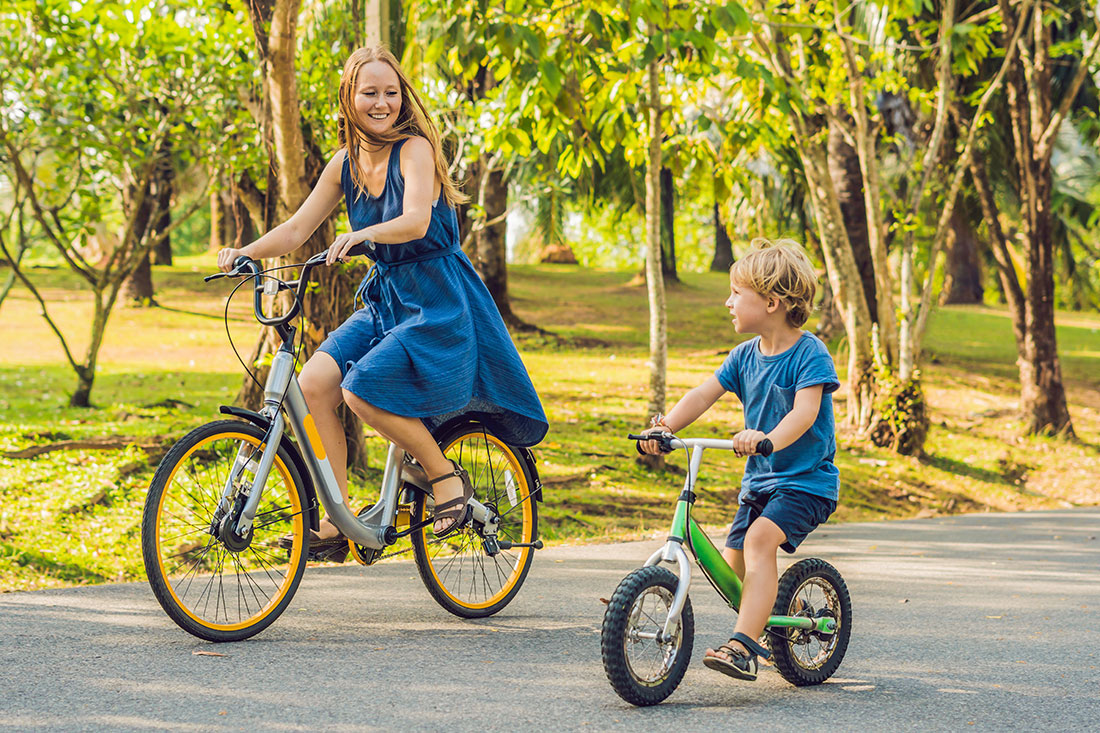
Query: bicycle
x=223, y=531
x=648, y=627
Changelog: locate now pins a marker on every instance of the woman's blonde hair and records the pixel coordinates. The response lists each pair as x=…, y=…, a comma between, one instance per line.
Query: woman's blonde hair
x=782, y=270
x=412, y=119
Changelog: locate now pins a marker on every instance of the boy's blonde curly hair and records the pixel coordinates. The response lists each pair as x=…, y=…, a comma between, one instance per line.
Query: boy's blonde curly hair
x=780, y=269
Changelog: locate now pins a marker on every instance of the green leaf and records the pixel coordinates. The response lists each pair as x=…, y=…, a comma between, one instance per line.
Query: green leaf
x=551, y=77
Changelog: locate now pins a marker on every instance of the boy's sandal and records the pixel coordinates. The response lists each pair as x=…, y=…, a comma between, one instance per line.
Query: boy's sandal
x=454, y=509
x=738, y=663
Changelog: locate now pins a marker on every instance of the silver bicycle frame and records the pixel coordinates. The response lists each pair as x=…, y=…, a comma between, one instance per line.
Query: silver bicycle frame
x=282, y=390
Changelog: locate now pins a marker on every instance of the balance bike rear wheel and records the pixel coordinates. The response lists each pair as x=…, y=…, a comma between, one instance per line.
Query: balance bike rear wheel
x=814, y=588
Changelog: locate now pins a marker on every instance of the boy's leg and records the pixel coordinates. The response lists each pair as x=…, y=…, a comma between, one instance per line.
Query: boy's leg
x=761, y=577
x=756, y=566
x=735, y=559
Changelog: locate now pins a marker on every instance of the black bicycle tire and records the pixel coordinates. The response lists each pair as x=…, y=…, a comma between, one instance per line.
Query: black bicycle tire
x=612, y=634
x=778, y=638
x=154, y=571
x=447, y=436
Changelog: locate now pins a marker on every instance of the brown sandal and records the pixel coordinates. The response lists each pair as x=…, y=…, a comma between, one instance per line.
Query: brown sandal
x=454, y=509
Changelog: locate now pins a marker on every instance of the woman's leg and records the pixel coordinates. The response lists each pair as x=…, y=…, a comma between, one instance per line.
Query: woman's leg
x=320, y=382
x=410, y=434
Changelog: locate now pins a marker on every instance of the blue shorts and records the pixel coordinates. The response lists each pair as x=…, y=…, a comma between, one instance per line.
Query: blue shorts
x=795, y=512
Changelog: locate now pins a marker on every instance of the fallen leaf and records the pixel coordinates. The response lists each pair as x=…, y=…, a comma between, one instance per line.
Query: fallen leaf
x=200, y=653
x=604, y=601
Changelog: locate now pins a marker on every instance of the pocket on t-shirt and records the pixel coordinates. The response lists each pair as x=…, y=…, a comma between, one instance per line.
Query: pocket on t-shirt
x=781, y=399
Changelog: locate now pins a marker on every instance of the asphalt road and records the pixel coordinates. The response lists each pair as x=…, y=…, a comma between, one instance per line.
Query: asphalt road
x=979, y=622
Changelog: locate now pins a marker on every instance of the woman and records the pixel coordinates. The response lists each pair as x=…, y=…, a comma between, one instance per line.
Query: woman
x=428, y=343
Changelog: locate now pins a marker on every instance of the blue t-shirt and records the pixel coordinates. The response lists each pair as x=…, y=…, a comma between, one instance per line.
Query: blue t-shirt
x=766, y=386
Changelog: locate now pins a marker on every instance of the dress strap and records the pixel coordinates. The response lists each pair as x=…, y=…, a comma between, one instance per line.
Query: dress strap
x=393, y=170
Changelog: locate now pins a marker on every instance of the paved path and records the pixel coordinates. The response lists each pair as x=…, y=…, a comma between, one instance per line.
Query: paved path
x=979, y=622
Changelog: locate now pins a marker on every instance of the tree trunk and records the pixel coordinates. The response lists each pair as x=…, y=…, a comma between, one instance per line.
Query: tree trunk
x=844, y=279
x=165, y=189
x=668, y=226
x=840, y=263
x=1006, y=268
x=848, y=180
x=137, y=288
x=655, y=285
x=385, y=25
x=491, y=259
x=1042, y=396
x=217, y=221
x=238, y=222
x=292, y=172
x=723, y=247
x=963, y=277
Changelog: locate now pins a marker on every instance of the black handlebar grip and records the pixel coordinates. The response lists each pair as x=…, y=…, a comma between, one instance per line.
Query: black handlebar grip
x=243, y=260
x=764, y=447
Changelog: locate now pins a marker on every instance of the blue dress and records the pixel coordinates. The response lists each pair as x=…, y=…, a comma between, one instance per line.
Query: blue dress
x=428, y=341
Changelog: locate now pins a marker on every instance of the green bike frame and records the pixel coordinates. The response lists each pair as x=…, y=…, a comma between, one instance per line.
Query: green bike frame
x=714, y=566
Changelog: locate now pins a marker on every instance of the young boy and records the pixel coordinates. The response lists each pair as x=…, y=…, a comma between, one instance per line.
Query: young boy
x=784, y=378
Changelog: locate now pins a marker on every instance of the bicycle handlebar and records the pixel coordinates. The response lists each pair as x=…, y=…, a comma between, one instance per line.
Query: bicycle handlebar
x=669, y=442
x=245, y=266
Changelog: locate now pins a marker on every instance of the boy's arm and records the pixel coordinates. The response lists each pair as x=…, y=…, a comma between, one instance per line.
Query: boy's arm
x=807, y=403
x=686, y=411
x=693, y=404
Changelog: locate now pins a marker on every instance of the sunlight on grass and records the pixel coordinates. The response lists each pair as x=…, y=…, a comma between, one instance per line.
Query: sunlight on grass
x=72, y=516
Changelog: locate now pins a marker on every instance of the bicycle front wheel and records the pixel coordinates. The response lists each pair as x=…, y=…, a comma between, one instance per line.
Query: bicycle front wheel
x=458, y=570
x=214, y=585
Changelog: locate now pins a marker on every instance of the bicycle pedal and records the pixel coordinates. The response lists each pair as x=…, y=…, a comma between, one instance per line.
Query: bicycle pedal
x=336, y=553
x=364, y=555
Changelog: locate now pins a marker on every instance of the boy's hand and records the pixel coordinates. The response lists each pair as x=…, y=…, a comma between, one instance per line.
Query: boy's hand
x=744, y=443
x=652, y=447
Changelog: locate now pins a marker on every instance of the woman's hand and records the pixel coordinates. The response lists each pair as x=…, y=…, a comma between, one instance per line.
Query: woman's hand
x=652, y=447
x=227, y=257
x=343, y=243
x=744, y=443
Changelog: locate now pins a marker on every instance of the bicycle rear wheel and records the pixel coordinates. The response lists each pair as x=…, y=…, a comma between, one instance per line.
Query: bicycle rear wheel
x=212, y=584
x=458, y=571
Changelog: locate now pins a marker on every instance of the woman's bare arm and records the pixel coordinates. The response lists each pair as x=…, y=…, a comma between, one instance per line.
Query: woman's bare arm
x=292, y=233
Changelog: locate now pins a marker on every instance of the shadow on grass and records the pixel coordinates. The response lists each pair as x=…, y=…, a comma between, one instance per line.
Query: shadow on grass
x=965, y=469
x=35, y=560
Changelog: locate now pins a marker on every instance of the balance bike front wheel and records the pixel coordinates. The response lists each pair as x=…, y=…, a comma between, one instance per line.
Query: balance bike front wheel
x=642, y=664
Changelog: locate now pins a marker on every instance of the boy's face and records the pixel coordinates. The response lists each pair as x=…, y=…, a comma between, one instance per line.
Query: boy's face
x=749, y=308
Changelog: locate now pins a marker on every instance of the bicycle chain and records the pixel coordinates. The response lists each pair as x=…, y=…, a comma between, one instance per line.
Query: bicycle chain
x=402, y=552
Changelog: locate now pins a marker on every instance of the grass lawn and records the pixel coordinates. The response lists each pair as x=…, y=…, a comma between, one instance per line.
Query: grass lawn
x=73, y=516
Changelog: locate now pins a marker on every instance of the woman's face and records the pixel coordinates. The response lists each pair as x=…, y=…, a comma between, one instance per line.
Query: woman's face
x=377, y=97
